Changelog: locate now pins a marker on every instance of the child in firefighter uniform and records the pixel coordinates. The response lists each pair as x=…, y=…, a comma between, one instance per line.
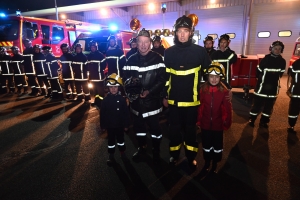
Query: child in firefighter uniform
x=6, y=72
x=269, y=71
x=214, y=115
x=114, y=117
x=294, y=93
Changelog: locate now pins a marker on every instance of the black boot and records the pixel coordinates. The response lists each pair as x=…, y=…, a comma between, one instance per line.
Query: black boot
x=214, y=167
x=141, y=151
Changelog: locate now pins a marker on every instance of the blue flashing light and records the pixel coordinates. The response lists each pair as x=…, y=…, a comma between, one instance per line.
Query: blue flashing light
x=57, y=38
x=95, y=28
x=164, y=5
x=2, y=15
x=113, y=27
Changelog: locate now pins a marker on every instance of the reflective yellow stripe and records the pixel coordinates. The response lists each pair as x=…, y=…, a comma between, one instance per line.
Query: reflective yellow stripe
x=167, y=83
x=168, y=91
x=191, y=148
x=184, y=104
x=98, y=96
x=175, y=148
x=195, y=95
x=171, y=102
x=183, y=73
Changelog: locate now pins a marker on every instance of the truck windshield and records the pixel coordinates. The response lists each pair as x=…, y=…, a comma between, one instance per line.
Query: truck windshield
x=9, y=30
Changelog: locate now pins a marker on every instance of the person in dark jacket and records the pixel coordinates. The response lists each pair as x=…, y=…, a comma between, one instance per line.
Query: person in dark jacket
x=115, y=57
x=114, y=117
x=133, y=46
x=6, y=72
x=225, y=56
x=293, y=92
x=147, y=67
x=157, y=47
x=209, y=45
x=184, y=62
x=269, y=71
x=96, y=66
x=214, y=115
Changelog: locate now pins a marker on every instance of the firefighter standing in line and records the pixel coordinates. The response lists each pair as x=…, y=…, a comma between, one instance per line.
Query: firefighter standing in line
x=157, y=47
x=67, y=72
x=209, y=45
x=269, y=71
x=6, y=72
x=96, y=66
x=29, y=68
x=294, y=93
x=79, y=66
x=147, y=106
x=53, y=67
x=42, y=71
x=17, y=62
x=115, y=57
x=225, y=55
x=133, y=46
x=183, y=63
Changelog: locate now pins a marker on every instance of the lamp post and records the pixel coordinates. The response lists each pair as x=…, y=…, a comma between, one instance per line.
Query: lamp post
x=163, y=9
x=56, y=10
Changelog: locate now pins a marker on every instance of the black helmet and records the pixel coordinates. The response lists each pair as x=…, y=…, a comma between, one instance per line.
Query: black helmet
x=15, y=48
x=3, y=50
x=132, y=40
x=37, y=46
x=277, y=43
x=133, y=88
x=64, y=45
x=184, y=22
x=224, y=37
x=93, y=43
x=78, y=45
x=157, y=38
x=144, y=33
x=209, y=38
x=111, y=37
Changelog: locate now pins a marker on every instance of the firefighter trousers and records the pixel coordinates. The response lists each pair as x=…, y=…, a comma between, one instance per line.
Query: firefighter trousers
x=44, y=84
x=69, y=90
x=56, y=88
x=294, y=109
x=113, y=135
x=212, y=145
x=258, y=103
x=21, y=82
x=182, y=130
x=99, y=92
x=10, y=83
x=82, y=90
x=33, y=84
x=139, y=126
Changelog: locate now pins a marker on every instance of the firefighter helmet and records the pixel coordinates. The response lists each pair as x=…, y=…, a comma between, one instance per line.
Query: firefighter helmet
x=277, y=43
x=111, y=37
x=37, y=46
x=63, y=45
x=3, y=50
x=113, y=80
x=133, y=88
x=209, y=38
x=144, y=33
x=183, y=22
x=78, y=45
x=132, y=40
x=215, y=68
x=47, y=48
x=157, y=38
x=15, y=48
x=93, y=43
x=224, y=37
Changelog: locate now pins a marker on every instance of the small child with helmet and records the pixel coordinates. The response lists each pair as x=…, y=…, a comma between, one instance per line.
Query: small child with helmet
x=214, y=115
x=114, y=117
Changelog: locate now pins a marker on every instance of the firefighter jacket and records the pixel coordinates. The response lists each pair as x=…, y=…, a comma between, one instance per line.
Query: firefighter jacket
x=226, y=58
x=210, y=51
x=66, y=65
x=79, y=67
x=52, y=65
x=17, y=62
x=39, y=62
x=183, y=65
x=114, y=112
x=294, y=72
x=5, y=65
x=150, y=69
x=28, y=61
x=161, y=50
x=215, y=111
x=96, y=66
x=269, y=71
x=115, y=60
x=131, y=52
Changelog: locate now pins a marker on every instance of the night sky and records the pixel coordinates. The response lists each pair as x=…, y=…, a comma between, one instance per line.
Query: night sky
x=10, y=6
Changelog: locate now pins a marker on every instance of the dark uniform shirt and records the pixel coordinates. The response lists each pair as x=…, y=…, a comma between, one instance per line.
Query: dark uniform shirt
x=52, y=66
x=115, y=60
x=40, y=66
x=66, y=60
x=294, y=72
x=17, y=62
x=160, y=50
x=96, y=66
x=131, y=52
x=28, y=61
x=210, y=51
x=79, y=67
x=5, y=65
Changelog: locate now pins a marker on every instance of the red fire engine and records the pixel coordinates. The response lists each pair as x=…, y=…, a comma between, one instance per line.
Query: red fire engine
x=296, y=52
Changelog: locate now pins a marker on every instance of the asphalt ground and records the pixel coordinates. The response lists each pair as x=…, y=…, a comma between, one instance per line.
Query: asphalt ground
x=57, y=151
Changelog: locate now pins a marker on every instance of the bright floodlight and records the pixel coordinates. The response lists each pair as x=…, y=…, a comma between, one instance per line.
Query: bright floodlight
x=103, y=11
x=212, y=1
x=2, y=15
x=63, y=16
x=113, y=27
x=151, y=6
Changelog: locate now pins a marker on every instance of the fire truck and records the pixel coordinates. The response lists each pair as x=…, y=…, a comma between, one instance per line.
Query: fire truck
x=296, y=52
x=14, y=29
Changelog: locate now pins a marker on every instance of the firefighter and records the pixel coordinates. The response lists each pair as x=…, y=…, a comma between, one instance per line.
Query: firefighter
x=96, y=66
x=157, y=47
x=269, y=71
x=184, y=62
x=115, y=57
x=6, y=72
x=209, y=45
x=42, y=71
x=133, y=46
x=53, y=67
x=225, y=55
x=294, y=94
x=79, y=66
x=148, y=67
x=17, y=62
x=67, y=72
x=29, y=67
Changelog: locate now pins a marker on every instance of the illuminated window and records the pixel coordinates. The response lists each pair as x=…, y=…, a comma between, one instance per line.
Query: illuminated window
x=57, y=34
x=214, y=36
x=284, y=33
x=264, y=34
x=231, y=35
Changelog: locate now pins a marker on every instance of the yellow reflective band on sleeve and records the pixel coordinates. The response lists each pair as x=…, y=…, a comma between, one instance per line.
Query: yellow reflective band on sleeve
x=191, y=148
x=195, y=91
x=230, y=56
x=171, y=102
x=187, y=104
x=98, y=96
x=183, y=73
x=167, y=83
x=176, y=148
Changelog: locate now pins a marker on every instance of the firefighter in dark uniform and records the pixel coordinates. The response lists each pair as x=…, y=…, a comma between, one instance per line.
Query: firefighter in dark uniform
x=225, y=56
x=79, y=66
x=6, y=72
x=133, y=46
x=42, y=71
x=294, y=93
x=269, y=71
x=29, y=68
x=96, y=66
x=209, y=45
x=183, y=63
x=157, y=47
x=147, y=67
x=67, y=72
x=115, y=57
x=17, y=62
x=53, y=67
